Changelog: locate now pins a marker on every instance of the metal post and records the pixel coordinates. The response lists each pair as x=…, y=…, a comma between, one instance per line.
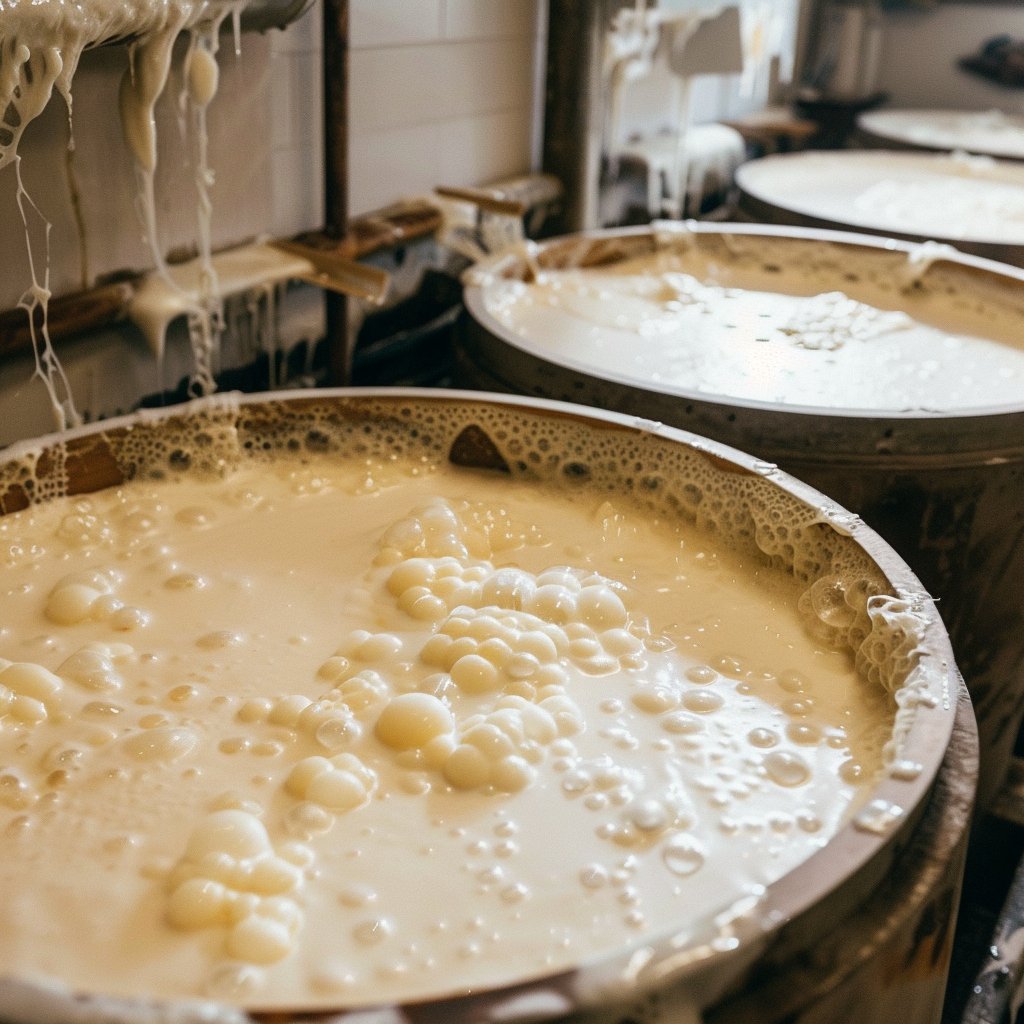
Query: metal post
x=573, y=104
x=335, y=14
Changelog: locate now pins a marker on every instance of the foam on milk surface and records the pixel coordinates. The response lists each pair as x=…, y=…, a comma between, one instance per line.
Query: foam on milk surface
x=336, y=735
x=673, y=320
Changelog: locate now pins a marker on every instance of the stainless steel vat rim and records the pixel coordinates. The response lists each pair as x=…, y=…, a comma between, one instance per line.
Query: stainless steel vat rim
x=753, y=168
x=788, y=897
x=475, y=304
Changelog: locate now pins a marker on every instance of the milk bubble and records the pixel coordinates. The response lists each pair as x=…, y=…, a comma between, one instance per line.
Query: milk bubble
x=683, y=855
x=169, y=743
x=371, y=933
x=787, y=769
x=761, y=737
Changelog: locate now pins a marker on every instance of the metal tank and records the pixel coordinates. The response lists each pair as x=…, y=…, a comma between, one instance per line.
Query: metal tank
x=827, y=190
x=946, y=490
x=861, y=930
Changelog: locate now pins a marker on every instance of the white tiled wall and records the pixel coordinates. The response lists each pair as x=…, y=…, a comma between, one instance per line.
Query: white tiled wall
x=442, y=92
x=297, y=115
x=264, y=131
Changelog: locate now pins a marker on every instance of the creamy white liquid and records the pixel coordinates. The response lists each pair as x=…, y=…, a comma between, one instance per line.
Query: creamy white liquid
x=991, y=132
x=665, y=320
x=947, y=207
x=242, y=752
x=930, y=196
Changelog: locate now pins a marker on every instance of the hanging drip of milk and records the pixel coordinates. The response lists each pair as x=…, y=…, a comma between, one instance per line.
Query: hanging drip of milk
x=27, y=79
x=703, y=41
x=41, y=42
x=142, y=85
x=48, y=367
x=206, y=319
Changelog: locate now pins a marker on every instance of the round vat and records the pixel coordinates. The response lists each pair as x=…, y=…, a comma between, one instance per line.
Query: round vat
x=863, y=927
x=988, y=132
x=945, y=489
x=973, y=203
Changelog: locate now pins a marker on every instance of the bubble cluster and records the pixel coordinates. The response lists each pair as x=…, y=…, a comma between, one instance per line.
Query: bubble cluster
x=331, y=719
x=231, y=877
x=90, y=595
x=95, y=666
x=29, y=693
x=339, y=784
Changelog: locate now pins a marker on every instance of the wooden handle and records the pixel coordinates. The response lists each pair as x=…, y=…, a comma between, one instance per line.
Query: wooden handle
x=492, y=201
x=333, y=259
x=337, y=272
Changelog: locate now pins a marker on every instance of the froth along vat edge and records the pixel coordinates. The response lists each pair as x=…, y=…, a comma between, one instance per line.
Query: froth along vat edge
x=946, y=490
x=890, y=878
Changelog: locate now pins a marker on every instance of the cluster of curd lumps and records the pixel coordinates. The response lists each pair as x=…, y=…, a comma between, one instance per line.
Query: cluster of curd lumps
x=506, y=641
x=230, y=876
x=31, y=694
x=506, y=648
x=829, y=320
x=90, y=595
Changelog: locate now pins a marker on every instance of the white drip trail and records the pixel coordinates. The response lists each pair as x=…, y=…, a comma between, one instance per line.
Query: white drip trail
x=206, y=321
x=205, y=312
x=40, y=44
x=201, y=74
x=48, y=366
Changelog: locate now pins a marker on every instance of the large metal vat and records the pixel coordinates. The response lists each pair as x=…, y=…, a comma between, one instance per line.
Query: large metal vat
x=861, y=930
x=986, y=132
x=913, y=195
x=946, y=490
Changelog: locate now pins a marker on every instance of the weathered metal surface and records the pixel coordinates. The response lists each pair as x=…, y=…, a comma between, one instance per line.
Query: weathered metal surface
x=572, y=108
x=261, y=15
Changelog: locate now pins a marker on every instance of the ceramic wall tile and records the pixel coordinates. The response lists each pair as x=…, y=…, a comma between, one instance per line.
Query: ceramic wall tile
x=490, y=19
x=374, y=23
x=410, y=161
x=405, y=86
